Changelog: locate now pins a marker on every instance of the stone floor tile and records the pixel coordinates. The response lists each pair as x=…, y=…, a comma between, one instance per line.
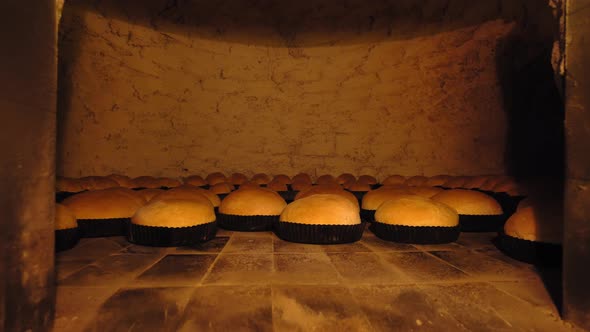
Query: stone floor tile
x=403, y=308
x=75, y=307
x=112, y=270
x=248, y=244
x=140, y=250
x=228, y=308
x=482, y=307
x=93, y=248
x=307, y=268
x=142, y=309
x=345, y=248
x=422, y=267
x=241, y=269
x=484, y=267
x=215, y=245
x=121, y=240
x=466, y=303
x=376, y=244
x=281, y=246
x=177, y=270
x=68, y=267
x=365, y=268
x=533, y=292
x=497, y=254
x=316, y=308
x=476, y=240
x=439, y=247
x=270, y=284
x=253, y=234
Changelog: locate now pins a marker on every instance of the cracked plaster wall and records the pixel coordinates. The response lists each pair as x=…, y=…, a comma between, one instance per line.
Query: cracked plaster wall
x=171, y=98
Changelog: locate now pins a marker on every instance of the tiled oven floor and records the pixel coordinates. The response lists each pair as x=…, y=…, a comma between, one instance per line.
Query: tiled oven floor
x=257, y=282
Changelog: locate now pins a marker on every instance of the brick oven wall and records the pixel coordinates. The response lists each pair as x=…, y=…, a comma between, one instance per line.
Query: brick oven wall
x=178, y=87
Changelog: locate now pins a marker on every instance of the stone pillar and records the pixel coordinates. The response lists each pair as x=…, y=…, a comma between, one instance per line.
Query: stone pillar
x=28, y=86
x=576, y=272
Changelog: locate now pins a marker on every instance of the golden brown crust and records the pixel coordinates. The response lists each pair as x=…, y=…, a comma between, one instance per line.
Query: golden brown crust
x=64, y=217
x=222, y=188
x=277, y=186
x=534, y=223
x=149, y=193
x=417, y=180
x=208, y=193
x=437, y=180
x=326, y=179
x=346, y=178
x=213, y=198
x=281, y=178
x=395, y=186
x=68, y=185
x=455, y=182
x=146, y=182
x=373, y=199
x=261, y=178
x=169, y=182
x=469, y=202
x=493, y=180
x=174, y=213
x=302, y=177
x=185, y=193
x=510, y=187
x=322, y=209
x=123, y=180
x=489, y=184
x=249, y=184
x=425, y=191
x=348, y=184
x=300, y=186
x=253, y=202
x=412, y=210
x=98, y=183
x=215, y=177
x=475, y=182
x=237, y=178
x=394, y=180
x=104, y=203
x=359, y=187
x=195, y=180
x=332, y=189
x=368, y=179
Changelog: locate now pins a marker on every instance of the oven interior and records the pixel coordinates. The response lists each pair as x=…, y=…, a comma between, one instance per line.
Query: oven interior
x=178, y=88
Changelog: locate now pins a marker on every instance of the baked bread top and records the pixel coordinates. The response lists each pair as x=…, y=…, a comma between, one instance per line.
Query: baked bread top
x=261, y=178
x=393, y=180
x=237, y=178
x=373, y=199
x=535, y=223
x=253, y=202
x=195, y=180
x=368, y=179
x=64, y=218
x=469, y=202
x=417, y=180
x=184, y=193
x=321, y=209
x=332, y=189
x=104, y=204
x=412, y=210
x=174, y=213
x=215, y=177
